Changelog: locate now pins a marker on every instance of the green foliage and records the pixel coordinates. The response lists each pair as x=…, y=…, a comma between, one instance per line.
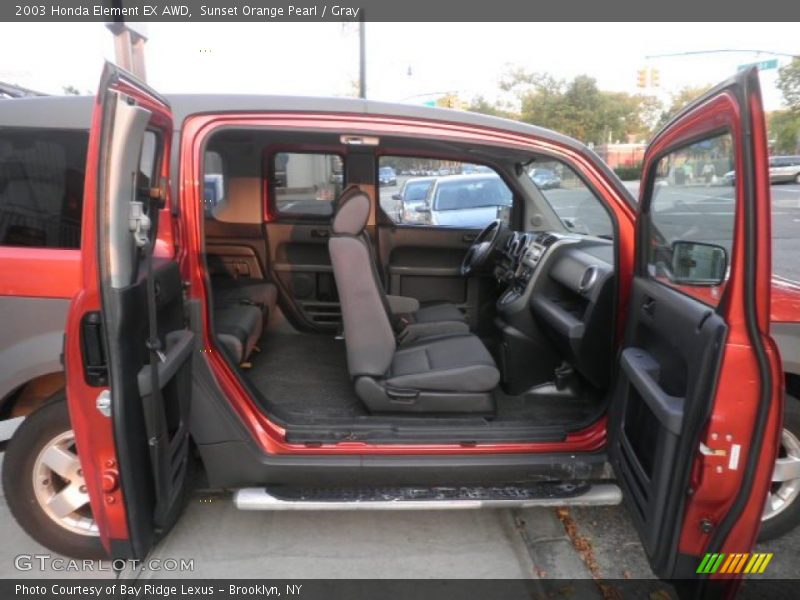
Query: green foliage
x=629, y=173
x=579, y=108
x=783, y=127
x=680, y=100
x=789, y=84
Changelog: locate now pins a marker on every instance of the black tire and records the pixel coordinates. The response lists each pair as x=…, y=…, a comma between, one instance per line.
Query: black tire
x=35, y=432
x=789, y=518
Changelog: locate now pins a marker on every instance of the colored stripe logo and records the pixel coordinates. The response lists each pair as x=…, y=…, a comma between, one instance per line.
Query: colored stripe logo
x=734, y=563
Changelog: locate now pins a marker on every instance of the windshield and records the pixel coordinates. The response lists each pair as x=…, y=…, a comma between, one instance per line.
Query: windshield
x=460, y=193
x=570, y=198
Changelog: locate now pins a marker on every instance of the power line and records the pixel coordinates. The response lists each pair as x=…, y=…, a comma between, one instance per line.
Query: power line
x=721, y=51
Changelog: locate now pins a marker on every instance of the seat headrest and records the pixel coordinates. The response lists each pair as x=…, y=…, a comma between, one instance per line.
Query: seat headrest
x=352, y=212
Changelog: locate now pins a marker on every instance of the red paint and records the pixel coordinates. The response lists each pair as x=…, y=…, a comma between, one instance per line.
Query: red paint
x=94, y=435
x=39, y=272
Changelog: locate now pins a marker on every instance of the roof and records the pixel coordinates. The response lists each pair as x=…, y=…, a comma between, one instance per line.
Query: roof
x=74, y=112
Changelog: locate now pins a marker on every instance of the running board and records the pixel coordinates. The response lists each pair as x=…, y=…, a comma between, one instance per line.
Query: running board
x=545, y=494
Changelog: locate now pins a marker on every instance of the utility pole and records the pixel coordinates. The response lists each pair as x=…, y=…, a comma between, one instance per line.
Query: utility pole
x=129, y=40
x=362, y=60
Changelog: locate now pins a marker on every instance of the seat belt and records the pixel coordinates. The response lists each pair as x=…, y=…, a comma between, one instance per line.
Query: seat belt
x=153, y=405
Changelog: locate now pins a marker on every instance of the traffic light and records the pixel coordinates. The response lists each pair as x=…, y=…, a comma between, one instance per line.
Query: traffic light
x=655, y=78
x=641, y=78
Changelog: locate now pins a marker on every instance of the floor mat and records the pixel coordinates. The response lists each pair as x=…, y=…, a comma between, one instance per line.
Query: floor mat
x=305, y=376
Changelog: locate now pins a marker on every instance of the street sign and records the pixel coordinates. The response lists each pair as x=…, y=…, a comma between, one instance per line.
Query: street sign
x=763, y=65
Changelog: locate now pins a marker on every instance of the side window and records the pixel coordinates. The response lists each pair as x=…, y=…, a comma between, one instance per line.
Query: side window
x=41, y=187
x=439, y=193
x=213, y=182
x=306, y=185
x=690, y=219
x=579, y=209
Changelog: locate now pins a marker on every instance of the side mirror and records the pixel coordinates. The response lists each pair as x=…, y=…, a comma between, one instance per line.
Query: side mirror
x=397, y=196
x=698, y=263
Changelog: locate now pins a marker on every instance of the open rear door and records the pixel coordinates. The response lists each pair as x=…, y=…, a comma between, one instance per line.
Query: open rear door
x=127, y=350
x=696, y=411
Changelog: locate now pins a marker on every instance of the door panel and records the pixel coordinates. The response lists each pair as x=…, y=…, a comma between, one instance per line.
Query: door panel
x=668, y=370
x=127, y=349
x=695, y=413
x=301, y=266
x=425, y=263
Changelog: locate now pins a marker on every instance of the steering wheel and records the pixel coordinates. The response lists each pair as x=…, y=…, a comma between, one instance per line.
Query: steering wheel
x=482, y=248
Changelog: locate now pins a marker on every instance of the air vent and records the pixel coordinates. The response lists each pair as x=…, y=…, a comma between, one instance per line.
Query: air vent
x=546, y=239
x=588, y=279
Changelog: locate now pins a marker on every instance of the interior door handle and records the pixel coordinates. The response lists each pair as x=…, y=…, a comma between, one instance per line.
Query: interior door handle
x=320, y=233
x=649, y=306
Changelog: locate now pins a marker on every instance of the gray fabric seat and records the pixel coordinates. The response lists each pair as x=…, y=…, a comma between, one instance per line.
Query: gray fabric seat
x=453, y=372
x=238, y=329
x=260, y=293
x=458, y=364
x=435, y=313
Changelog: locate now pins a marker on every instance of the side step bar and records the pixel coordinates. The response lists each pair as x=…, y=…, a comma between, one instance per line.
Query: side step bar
x=546, y=494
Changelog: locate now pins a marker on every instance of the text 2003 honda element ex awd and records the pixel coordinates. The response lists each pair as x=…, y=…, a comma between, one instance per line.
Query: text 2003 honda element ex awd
x=244, y=290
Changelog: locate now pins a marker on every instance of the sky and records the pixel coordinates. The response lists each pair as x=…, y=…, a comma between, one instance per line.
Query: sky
x=406, y=62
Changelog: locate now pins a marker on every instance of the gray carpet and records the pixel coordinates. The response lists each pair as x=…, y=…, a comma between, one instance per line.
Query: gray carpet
x=305, y=376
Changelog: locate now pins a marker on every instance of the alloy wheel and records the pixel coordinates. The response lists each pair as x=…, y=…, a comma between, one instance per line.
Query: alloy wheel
x=786, y=478
x=60, y=488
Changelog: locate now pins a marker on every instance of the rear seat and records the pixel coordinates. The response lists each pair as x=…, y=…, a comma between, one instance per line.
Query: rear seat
x=242, y=308
x=238, y=330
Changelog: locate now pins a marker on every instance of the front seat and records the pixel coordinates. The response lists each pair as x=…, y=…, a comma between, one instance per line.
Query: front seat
x=444, y=373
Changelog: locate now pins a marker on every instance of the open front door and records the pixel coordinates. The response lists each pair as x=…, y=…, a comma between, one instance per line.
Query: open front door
x=696, y=411
x=127, y=350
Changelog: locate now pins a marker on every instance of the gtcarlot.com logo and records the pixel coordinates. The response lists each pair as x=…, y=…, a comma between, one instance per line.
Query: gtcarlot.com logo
x=734, y=563
x=46, y=562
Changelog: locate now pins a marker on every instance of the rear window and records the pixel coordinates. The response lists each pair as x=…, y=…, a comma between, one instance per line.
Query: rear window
x=305, y=185
x=41, y=187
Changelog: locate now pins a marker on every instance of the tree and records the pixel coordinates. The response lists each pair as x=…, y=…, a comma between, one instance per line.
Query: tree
x=679, y=100
x=71, y=90
x=481, y=105
x=789, y=84
x=783, y=128
x=579, y=108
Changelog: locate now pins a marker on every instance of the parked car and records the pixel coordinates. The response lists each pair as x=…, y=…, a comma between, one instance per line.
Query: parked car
x=387, y=176
x=466, y=201
x=545, y=179
x=412, y=197
x=657, y=363
x=782, y=169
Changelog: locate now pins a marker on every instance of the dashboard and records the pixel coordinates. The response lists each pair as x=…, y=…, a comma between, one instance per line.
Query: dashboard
x=561, y=286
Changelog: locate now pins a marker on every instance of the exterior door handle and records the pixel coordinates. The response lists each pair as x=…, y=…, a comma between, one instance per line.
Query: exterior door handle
x=469, y=237
x=320, y=233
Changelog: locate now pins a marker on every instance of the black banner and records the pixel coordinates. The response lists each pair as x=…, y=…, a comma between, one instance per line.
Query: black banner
x=396, y=10
x=372, y=589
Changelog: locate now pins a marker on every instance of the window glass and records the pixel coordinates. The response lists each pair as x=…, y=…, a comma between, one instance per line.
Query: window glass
x=213, y=182
x=439, y=193
x=570, y=198
x=306, y=185
x=691, y=218
x=41, y=187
